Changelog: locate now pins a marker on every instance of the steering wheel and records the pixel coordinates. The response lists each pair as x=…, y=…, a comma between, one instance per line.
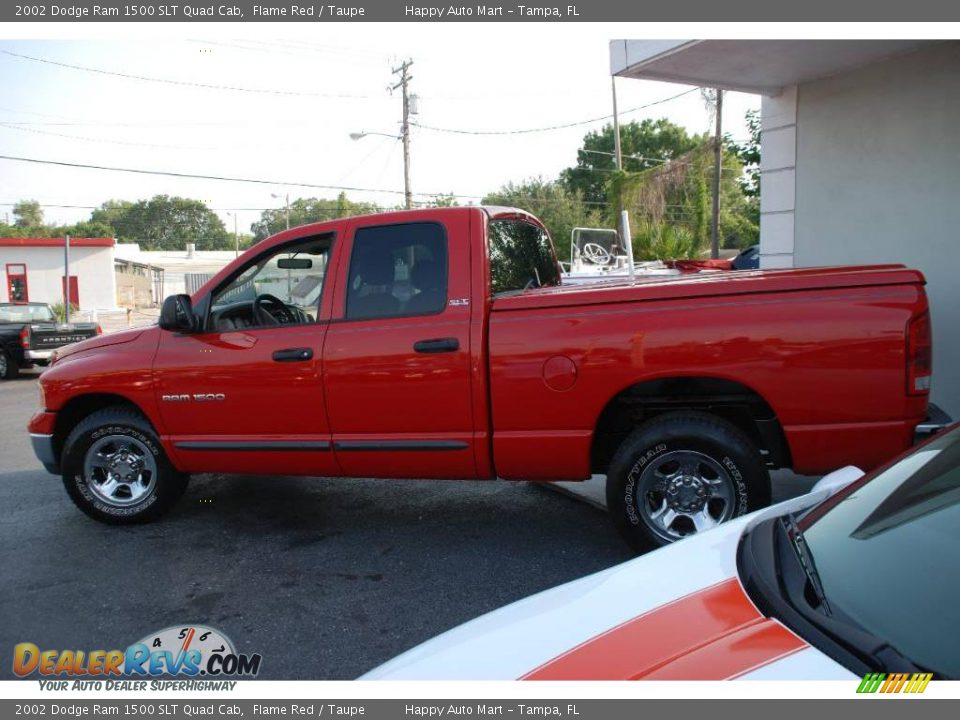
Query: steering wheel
x=271, y=310
x=596, y=253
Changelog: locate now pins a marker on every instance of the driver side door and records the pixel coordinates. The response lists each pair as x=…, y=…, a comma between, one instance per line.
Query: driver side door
x=246, y=394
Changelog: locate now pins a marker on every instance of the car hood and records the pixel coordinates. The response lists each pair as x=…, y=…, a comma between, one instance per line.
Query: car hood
x=115, y=338
x=676, y=613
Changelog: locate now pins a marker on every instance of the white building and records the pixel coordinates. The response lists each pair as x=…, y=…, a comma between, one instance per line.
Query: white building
x=32, y=270
x=180, y=267
x=860, y=155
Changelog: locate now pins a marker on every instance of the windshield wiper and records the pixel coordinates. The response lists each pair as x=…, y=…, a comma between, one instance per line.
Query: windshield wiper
x=874, y=650
x=805, y=557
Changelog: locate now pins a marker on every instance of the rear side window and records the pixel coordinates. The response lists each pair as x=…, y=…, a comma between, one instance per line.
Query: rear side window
x=397, y=270
x=520, y=257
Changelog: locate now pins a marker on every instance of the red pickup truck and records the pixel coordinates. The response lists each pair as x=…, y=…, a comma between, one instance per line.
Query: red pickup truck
x=439, y=343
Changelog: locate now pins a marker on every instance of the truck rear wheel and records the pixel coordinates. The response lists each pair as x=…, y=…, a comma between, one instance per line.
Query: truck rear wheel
x=680, y=474
x=115, y=470
x=8, y=367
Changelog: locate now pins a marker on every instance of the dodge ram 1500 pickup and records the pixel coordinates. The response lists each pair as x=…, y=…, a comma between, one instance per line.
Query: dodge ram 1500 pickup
x=440, y=343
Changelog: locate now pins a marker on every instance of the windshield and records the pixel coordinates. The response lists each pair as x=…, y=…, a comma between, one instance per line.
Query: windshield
x=888, y=555
x=25, y=313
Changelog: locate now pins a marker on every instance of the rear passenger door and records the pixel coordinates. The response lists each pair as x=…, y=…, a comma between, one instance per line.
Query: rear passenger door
x=397, y=352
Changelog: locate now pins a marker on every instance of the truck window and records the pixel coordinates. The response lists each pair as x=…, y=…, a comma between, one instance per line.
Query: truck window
x=520, y=257
x=397, y=270
x=288, y=282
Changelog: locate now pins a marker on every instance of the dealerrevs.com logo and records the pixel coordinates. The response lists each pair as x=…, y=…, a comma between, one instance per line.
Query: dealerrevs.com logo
x=188, y=651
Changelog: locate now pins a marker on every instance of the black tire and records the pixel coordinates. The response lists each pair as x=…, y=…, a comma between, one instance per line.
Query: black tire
x=646, y=478
x=124, y=428
x=9, y=370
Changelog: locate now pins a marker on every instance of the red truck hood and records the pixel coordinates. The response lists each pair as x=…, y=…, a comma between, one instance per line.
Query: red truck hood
x=709, y=284
x=116, y=338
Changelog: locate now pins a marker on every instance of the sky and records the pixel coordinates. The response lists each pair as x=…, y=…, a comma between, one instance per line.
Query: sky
x=277, y=103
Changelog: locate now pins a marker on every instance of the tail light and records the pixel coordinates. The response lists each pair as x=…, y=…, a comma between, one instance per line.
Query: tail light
x=25, y=338
x=99, y=330
x=919, y=355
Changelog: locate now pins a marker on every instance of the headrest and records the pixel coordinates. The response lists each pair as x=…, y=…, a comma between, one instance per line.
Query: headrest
x=427, y=275
x=377, y=268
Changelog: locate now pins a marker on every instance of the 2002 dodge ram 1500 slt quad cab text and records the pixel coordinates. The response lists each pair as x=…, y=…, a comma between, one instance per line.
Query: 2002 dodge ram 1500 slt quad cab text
x=439, y=343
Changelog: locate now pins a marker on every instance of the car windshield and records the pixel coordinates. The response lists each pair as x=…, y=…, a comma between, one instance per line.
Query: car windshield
x=25, y=313
x=888, y=554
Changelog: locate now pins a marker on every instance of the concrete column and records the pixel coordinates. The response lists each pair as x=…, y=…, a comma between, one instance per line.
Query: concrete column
x=778, y=178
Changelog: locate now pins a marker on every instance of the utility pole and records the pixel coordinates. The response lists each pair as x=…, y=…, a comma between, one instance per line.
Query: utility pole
x=66, y=279
x=617, y=152
x=625, y=237
x=717, y=162
x=404, y=83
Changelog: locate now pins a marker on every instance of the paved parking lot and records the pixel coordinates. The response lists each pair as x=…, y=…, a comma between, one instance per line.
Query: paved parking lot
x=325, y=578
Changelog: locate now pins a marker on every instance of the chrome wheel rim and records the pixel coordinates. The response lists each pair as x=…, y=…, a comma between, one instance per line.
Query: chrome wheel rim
x=684, y=492
x=120, y=470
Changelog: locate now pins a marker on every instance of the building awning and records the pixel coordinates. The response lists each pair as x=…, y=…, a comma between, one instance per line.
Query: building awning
x=763, y=67
x=56, y=242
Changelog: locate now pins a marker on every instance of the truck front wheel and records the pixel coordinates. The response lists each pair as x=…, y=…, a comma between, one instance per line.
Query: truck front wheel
x=680, y=474
x=115, y=470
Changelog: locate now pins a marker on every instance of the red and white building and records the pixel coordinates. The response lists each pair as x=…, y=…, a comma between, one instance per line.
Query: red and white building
x=32, y=270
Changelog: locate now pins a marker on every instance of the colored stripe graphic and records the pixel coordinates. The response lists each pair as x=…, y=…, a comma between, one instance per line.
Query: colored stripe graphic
x=712, y=634
x=894, y=683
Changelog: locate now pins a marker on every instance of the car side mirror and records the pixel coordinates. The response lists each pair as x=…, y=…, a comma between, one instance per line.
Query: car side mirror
x=177, y=314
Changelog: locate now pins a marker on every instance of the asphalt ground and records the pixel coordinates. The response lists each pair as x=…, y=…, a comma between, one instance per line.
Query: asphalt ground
x=325, y=578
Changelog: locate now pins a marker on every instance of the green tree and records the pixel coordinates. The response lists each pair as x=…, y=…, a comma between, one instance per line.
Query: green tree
x=164, y=223
x=748, y=153
x=444, y=201
x=560, y=209
x=308, y=210
x=28, y=215
x=644, y=145
x=677, y=196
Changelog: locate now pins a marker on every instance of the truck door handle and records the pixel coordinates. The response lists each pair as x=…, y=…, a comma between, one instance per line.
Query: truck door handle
x=437, y=346
x=293, y=355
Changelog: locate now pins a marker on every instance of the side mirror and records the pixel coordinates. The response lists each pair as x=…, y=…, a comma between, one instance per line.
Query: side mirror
x=177, y=314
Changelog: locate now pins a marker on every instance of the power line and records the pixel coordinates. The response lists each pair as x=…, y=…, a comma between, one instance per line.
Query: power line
x=223, y=178
x=15, y=126
x=318, y=186
x=553, y=127
x=187, y=83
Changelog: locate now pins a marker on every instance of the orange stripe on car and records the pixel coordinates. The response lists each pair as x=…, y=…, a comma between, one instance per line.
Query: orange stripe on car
x=713, y=634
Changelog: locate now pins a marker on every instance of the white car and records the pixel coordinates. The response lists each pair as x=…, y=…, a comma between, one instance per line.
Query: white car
x=860, y=575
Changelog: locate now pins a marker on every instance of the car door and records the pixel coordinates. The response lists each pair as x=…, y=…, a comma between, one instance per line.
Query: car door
x=246, y=394
x=397, y=353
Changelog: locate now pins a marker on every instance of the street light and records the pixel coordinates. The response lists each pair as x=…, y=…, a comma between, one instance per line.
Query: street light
x=286, y=205
x=357, y=136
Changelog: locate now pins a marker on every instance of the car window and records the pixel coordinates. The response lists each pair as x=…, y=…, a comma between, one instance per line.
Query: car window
x=888, y=552
x=286, y=283
x=26, y=313
x=520, y=257
x=397, y=270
